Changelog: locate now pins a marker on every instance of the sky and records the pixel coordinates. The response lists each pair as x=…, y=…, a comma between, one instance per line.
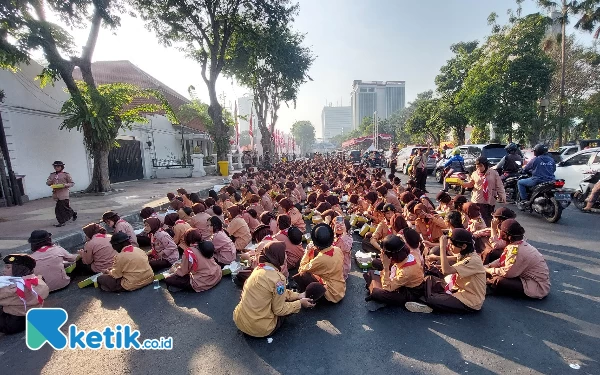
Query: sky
x=385, y=40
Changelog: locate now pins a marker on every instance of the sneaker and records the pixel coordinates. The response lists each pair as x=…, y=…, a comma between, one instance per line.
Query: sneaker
x=418, y=307
x=59, y=225
x=374, y=305
x=74, y=216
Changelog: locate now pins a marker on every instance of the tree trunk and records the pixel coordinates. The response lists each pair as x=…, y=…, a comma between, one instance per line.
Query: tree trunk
x=215, y=111
x=100, y=174
x=267, y=139
x=561, y=100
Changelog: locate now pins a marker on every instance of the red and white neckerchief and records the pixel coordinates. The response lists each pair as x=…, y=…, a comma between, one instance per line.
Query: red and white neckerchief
x=428, y=231
x=27, y=284
x=99, y=235
x=43, y=249
x=179, y=222
x=484, y=186
x=262, y=266
x=192, y=259
x=284, y=232
x=410, y=261
x=450, y=282
x=127, y=249
x=505, y=252
x=268, y=237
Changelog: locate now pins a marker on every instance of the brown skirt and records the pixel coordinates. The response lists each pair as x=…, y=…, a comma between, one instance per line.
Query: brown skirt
x=63, y=211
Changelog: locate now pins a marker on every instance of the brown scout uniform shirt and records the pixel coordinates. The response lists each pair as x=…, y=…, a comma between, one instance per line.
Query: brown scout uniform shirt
x=98, y=253
x=328, y=268
x=200, y=222
x=264, y=299
x=124, y=227
x=60, y=178
x=495, y=187
x=207, y=273
x=470, y=281
x=12, y=304
x=50, y=264
x=131, y=265
x=408, y=273
x=238, y=228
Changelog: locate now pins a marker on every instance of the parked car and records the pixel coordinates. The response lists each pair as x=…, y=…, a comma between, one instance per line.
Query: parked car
x=494, y=152
x=404, y=156
x=373, y=158
x=571, y=149
x=354, y=156
x=573, y=169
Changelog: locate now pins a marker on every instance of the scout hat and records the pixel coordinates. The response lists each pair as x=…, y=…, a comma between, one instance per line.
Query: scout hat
x=20, y=259
x=39, y=236
x=322, y=236
x=58, y=163
x=389, y=208
x=295, y=235
x=504, y=213
x=108, y=215
x=512, y=228
x=461, y=236
x=119, y=238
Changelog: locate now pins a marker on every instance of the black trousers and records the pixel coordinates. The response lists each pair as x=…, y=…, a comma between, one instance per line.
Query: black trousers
x=143, y=240
x=181, y=282
x=507, y=286
x=421, y=178
x=486, y=212
x=440, y=301
x=63, y=211
x=159, y=264
x=11, y=324
x=110, y=284
x=397, y=297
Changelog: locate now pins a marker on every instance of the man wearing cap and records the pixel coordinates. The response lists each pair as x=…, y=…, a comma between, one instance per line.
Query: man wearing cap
x=130, y=270
x=521, y=271
x=399, y=280
x=20, y=291
x=113, y=220
x=323, y=263
x=61, y=182
x=50, y=259
x=265, y=299
x=487, y=187
x=463, y=288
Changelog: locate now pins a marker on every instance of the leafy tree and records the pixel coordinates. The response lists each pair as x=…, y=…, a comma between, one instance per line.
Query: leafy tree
x=25, y=28
x=589, y=126
x=590, y=17
x=304, y=134
x=205, y=29
x=426, y=119
x=271, y=61
x=449, y=84
x=508, y=78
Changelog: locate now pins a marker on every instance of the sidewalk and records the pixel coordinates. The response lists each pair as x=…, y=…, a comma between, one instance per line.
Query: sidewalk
x=17, y=223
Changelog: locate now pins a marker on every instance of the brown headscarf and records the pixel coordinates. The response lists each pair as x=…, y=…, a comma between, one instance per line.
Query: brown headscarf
x=198, y=208
x=274, y=253
x=170, y=219
x=176, y=204
x=153, y=223
x=93, y=228
x=234, y=211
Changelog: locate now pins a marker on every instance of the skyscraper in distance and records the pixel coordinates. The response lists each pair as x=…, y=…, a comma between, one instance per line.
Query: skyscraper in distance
x=335, y=120
x=383, y=97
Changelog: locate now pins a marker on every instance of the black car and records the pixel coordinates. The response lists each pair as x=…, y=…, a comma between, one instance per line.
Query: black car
x=354, y=156
x=494, y=152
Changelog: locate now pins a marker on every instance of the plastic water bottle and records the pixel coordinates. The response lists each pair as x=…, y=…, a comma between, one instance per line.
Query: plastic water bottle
x=156, y=284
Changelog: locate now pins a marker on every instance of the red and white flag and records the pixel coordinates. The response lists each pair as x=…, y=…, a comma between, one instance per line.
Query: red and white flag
x=250, y=131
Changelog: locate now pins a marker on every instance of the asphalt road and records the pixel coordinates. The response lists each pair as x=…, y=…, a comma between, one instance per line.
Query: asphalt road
x=508, y=336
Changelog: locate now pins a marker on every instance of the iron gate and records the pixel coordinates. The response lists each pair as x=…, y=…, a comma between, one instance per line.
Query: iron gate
x=125, y=162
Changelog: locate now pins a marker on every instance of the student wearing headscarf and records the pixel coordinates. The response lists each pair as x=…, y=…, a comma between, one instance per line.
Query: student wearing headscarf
x=265, y=300
x=97, y=253
x=225, y=251
x=20, y=291
x=142, y=238
x=293, y=213
x=495, y=244
x=50, y=260
x=521, y=271
x=200, y=220
x=178, y=227
x=114, y=221
x=238, y=228
x=164, y=250
x=323, y=263
x=130, y=270
x=400, y=279
x=487, y=188
x=292, y=238
x=198, y=270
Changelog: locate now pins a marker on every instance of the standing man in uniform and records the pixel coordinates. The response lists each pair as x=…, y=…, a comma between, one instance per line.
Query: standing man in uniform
x=419, y=164
x=61, y=182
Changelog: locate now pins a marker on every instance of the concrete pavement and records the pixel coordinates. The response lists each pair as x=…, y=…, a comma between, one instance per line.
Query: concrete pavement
x=509, y=336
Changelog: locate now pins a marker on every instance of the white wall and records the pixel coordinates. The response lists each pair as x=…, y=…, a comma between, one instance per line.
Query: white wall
x=31, y=121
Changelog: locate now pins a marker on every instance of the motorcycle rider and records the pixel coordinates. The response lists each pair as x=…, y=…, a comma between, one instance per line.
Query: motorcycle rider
x=510, y=164
x=542, y=168
x=456, y=164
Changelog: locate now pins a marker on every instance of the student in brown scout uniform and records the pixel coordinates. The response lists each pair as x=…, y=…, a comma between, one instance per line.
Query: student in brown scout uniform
x=487, y=186
x=60, y=193
x=198, y=270
x=97, y=253
x=521, y=271
x=238, y=228
x=20, y=291
x=292, y=238
x=200, y=220
x=225, y=251
x=113, y=220
x=293, y=213
x=265, y=300
x=130, y=270
x=178, y=227
x=323, y=263
x=463, y=289
x=50, y=260
x=494, y=245
x=428, y=225
x=384, y=228
x=164, y=250
x=400, y=279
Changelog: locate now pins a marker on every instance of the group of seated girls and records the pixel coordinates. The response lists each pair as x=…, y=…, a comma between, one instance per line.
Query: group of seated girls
x=426, y=258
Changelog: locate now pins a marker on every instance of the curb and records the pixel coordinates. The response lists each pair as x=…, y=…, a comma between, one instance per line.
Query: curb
x=74, y=240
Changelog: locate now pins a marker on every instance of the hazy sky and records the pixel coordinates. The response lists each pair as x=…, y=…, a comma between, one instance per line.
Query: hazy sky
x=352, y=39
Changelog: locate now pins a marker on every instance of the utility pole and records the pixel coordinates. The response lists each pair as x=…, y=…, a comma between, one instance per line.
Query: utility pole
x=11, y=174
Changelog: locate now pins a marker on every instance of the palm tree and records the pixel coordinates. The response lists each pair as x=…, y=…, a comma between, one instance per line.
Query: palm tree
x=590, y=18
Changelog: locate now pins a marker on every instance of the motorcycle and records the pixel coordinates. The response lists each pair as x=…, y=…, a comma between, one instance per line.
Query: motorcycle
x=548, y=199
x=584, y=191
x=456, y=180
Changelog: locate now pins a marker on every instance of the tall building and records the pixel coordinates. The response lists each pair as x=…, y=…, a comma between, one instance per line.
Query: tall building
x=244, y=104
x=335, y=120
x=383, y=97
